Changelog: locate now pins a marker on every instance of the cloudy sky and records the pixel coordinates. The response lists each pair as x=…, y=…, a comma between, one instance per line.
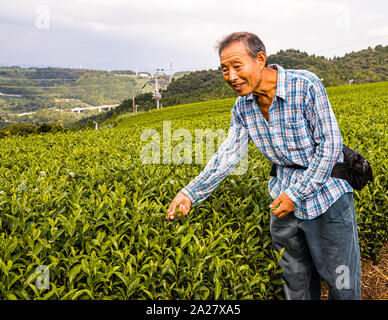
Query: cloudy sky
x=147, y=34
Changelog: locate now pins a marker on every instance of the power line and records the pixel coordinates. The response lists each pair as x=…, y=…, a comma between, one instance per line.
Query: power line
x=36, y=79
x=41, y=95
x=356, y=42
x=115, y=75
x=26, y=79
x=74, y=87
x=171, y=69
x=118, y=76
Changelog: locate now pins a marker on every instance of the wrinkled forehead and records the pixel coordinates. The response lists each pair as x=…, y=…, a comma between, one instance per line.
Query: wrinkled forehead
x=235, y=46
x=234, y=51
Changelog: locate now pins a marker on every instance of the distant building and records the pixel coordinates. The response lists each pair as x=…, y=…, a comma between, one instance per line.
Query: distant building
x=143, y=76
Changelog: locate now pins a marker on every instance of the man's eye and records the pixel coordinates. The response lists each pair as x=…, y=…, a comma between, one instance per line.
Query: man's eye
x=237, y=66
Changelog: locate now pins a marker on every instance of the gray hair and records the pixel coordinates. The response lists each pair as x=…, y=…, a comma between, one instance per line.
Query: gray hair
x=252, y=43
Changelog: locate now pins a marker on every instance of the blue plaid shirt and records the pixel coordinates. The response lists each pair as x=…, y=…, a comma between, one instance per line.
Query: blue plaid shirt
x=302, y=129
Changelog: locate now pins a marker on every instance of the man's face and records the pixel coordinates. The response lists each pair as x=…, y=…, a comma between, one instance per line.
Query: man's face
x=240, y=70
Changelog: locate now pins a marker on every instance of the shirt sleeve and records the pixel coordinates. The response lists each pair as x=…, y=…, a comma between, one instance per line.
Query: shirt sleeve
x=327, y=137
x=221, y=164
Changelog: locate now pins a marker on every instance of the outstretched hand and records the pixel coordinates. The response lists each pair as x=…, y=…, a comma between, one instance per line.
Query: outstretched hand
x=283, y=204
x=181, y=201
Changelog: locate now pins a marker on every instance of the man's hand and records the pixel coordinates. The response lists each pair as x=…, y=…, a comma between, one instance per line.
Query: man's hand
x=181, y=201
x=285, y=205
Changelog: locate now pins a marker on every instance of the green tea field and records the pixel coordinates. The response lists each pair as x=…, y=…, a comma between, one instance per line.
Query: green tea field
x=86, y=209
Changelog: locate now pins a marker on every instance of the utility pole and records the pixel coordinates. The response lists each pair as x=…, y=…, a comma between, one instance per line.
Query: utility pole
x=136, y=92
x=157, y=95
x=171, y=73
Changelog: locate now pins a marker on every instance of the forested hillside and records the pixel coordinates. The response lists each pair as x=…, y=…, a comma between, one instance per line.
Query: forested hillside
x=30, y=89
x=369, y=65
x=76, y=87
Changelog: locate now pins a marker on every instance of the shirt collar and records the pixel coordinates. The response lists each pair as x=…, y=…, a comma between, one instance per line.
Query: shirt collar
x=281, y=83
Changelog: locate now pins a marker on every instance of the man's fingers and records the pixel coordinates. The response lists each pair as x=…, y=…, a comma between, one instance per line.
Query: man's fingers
x=171, y=210
x=183, y=203
x=280, y=212
x=282, y=206
x=183, y=209
x=277, y=209
x=274, y=204
x=282, y=215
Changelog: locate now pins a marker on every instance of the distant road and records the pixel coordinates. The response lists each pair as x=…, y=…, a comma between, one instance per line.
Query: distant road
x=100, y=108
x=9, y=95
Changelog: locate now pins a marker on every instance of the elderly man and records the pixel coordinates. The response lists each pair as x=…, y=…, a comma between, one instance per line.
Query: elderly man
x=287, y=115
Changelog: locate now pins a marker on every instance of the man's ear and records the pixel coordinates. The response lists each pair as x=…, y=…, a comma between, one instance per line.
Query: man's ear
x=261, y=59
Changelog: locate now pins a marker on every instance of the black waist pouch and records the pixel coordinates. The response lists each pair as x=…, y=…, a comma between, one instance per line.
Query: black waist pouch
x=355, y=169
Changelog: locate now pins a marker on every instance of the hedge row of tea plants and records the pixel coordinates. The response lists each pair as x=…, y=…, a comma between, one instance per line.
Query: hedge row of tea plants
x=85, y=207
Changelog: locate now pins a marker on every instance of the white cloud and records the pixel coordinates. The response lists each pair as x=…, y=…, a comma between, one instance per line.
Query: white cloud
x=370, y=17
x=147, y=33
x=379, y=32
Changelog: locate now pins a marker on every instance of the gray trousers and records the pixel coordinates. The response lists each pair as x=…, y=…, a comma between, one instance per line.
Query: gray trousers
x=322, y=248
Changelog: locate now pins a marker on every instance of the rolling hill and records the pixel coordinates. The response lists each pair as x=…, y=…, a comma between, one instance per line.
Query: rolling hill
x=29, y=89
x=369, y=65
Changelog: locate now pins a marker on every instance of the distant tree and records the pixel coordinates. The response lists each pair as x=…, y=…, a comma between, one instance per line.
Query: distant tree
x=363, y=66
x=21, y=129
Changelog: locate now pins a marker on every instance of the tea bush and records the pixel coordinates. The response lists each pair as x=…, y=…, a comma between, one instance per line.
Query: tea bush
x=84, y=205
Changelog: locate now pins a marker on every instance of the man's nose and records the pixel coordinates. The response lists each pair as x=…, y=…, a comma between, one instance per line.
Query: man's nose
x=232, y=75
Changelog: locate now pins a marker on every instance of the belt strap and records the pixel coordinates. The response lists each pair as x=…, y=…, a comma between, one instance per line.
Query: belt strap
x=340, y=170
